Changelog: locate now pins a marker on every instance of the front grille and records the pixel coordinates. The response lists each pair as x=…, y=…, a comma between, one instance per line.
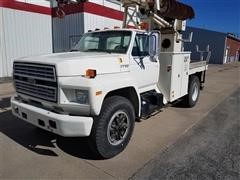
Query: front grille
x=36, y=80
x=38, y=71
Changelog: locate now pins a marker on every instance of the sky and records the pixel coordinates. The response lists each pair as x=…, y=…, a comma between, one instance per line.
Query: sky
x=217, y=15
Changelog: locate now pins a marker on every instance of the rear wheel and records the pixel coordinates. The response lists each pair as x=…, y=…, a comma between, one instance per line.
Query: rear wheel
x=191, y=98
x=113, y=128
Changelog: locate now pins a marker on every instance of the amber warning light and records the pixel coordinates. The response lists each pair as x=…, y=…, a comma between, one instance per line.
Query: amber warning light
x=91, y=73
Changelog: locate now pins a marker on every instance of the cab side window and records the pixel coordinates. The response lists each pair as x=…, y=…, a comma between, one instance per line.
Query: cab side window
x=140, y=47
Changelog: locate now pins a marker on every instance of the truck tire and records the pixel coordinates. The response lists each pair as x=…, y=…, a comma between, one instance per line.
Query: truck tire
x=191, y=98
x=113, y=128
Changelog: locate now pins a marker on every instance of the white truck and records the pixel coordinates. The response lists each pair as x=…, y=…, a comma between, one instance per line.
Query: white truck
x=110, y=79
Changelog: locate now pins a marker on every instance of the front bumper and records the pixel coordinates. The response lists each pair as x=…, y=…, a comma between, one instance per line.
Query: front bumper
x=61, y=124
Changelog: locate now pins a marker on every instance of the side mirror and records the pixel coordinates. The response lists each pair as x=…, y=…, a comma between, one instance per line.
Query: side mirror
x=153, y=44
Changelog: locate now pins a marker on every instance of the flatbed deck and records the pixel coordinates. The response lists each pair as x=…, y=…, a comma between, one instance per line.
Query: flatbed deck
x=197, y=66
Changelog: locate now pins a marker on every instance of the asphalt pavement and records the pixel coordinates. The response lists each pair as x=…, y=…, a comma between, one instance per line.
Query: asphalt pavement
x=210, y=150
x=29, y=153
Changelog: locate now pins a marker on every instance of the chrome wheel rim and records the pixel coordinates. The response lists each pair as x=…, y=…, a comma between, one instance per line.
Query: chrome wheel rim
x=195, y=92
x=118, y=128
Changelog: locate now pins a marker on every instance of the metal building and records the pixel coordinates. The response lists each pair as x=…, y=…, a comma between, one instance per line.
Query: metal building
x=25, y=29
x=31, y=27
x=224, y=47
x=95, y=14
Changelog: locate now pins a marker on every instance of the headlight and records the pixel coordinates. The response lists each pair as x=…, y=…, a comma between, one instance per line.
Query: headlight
x=82, y=96
x=76, y=95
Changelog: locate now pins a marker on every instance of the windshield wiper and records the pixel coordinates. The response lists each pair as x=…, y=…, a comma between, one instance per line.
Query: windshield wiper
x=74, y=50
x=99, y=50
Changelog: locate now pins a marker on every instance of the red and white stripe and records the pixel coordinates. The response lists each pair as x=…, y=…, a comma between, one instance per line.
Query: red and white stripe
x=87, y=7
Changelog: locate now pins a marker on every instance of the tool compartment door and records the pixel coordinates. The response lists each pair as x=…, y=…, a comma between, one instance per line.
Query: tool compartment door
x=173, y=76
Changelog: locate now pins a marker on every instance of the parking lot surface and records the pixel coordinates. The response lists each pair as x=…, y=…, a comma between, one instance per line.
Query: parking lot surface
x=210, y=150
x=27, y=152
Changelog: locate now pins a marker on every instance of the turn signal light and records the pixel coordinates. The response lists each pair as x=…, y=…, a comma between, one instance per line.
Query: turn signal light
x=91, y=73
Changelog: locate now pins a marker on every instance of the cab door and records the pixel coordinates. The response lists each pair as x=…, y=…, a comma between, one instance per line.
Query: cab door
x=143, y=67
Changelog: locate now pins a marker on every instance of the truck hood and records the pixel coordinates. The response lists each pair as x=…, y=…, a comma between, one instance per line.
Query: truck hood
x=76, y=63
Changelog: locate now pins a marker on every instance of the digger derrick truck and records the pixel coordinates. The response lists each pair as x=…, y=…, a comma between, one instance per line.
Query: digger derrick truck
x=111, y=77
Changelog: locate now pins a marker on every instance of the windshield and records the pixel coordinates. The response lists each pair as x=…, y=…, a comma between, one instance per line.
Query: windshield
x=107, y=41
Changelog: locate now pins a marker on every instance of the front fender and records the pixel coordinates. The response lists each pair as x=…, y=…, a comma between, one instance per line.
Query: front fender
x=108, y=83
x=99, y=87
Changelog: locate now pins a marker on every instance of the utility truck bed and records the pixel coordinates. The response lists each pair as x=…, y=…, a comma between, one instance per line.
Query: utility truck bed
x=197, y=66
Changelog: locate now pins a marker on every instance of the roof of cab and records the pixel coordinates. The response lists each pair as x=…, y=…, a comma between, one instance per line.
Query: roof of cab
x=120, y=29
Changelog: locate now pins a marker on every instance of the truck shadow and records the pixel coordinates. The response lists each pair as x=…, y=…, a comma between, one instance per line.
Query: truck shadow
x=40, y=141
x=178, y=104
x=5, y=102
x=77, y=147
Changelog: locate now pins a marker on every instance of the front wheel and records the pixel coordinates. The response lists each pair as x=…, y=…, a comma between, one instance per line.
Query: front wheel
x=191, y=98
x=113, y=128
